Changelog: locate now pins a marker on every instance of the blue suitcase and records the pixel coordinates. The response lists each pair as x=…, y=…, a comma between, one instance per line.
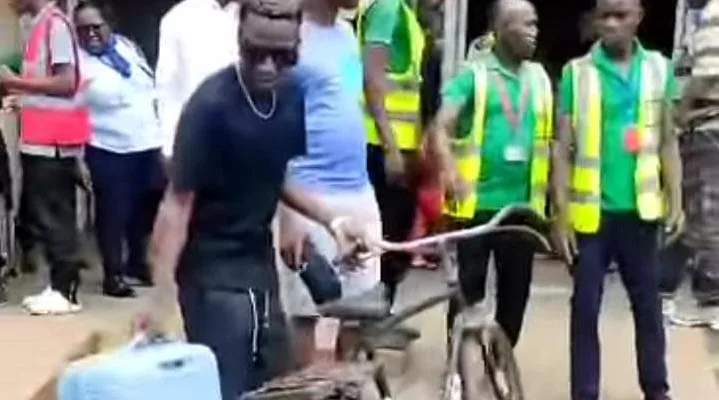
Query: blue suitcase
x=155, y=370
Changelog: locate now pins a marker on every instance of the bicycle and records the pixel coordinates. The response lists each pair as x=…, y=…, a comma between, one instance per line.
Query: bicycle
x=475, y=339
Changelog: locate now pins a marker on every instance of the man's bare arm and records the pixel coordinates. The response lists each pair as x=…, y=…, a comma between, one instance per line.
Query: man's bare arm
x=670, y=159
x=168, y=239
x=376, y=87
x=307, y=204
x=61, y=83
x=561, y=165
x=439, y=136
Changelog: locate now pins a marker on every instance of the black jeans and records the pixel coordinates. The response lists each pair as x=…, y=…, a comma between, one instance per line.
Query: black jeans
x=125, y=205
x=245, y=329
x=49, y=192
x=397, y=207
x=513, y=259
x=632, y=244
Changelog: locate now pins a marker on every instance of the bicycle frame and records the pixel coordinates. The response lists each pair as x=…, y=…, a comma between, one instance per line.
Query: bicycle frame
x=470, y=318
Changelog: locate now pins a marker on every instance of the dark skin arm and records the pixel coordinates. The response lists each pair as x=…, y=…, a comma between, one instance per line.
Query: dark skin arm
x=561, y=164
x=169, y=236
x=376, y=59
x=438, y=141
x=671, y=163
x=61, y=83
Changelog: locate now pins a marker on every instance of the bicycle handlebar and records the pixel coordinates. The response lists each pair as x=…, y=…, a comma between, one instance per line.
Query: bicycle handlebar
x=491, y=227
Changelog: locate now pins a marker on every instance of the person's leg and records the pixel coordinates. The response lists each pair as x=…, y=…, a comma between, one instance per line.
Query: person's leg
x=62, y=239
x=473, y=259
x=592, y=263
x=274, y=355
x=673, y=260
x=224, y=321
x=111, y=178
x=636, y=242
x=513, y=261
x=397, y=207
x=50, y=188
x=150, y=189
x=701, y=192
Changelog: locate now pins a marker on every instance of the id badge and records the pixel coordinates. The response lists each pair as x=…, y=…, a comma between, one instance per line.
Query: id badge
x=515, y=153
x=631, y=140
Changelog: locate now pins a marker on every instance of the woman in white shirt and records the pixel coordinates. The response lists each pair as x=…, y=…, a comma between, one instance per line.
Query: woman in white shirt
x=124, y=156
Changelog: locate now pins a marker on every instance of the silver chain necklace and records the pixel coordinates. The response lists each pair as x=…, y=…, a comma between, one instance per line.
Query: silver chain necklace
x=248, y=96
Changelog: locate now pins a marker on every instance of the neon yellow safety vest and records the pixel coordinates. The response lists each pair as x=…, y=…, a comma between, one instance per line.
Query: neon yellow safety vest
x=467, y=151
x=402, y=101
x=585, y=184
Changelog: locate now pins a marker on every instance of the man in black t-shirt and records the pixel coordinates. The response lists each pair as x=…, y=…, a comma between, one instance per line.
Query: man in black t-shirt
x=234, y=140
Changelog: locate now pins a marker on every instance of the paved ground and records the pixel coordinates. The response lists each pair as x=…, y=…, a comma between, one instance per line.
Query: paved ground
x=694, y=353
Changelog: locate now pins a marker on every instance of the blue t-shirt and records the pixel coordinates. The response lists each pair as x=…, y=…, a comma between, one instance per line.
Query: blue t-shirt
x=235, y=163
x=330, y=74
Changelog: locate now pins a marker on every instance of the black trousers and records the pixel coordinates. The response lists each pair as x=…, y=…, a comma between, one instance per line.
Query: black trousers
x=126, y=200
x=513, y=259
x=397, y=207
x=49, y=193
x=246, y=330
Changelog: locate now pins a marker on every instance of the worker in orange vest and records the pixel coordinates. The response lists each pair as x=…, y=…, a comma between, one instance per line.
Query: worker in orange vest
x=54, y=129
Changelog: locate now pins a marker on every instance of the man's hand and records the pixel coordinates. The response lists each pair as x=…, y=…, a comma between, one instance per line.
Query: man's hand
x=292, y=245
x=457, y=188
x=154, y=320
x=351, y=239
x=564, y=240
x=674, y=223
x=394, y=167
x=6, y=75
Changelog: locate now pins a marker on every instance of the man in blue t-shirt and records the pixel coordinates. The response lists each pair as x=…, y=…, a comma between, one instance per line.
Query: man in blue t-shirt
x=335, y=165
x=234, y=140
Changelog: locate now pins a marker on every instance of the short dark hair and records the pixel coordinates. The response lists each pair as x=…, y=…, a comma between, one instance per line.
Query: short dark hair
x=272, y=9
x=104, y=10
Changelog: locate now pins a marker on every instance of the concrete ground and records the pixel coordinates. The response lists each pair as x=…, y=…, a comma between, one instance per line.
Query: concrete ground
x=543, y=351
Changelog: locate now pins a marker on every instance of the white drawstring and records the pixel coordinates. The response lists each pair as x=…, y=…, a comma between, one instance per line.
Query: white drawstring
x=255, y=325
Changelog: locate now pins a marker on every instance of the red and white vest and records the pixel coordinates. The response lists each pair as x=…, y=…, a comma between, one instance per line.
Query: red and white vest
x=49, y=120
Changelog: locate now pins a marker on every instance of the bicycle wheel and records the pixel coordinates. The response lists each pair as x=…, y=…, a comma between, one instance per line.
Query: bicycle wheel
x=500, y=365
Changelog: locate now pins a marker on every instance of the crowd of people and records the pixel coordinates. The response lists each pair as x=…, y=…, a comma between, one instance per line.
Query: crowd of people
x=293, y=121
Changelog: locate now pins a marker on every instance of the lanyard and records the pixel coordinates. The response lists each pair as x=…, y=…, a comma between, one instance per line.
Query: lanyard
x=514, y=116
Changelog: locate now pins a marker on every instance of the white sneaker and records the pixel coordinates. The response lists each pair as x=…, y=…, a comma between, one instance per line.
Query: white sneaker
x=669, y=308
x=31, y=299
x=50, y=302
x=714, y=326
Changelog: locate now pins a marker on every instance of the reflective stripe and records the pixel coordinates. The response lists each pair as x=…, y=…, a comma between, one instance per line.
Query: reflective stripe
x=467, y=151
x=585, y=186
x=585, y=197
x=397, y=85
x=585, y=162
x=399, y=116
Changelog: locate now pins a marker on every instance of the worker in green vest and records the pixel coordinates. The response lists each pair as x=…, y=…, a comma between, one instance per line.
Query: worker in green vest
x=392, y=43
x=616, y=182
x=497, y=112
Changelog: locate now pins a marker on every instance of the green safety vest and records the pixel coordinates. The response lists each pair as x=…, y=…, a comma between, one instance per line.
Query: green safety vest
x=402, y=102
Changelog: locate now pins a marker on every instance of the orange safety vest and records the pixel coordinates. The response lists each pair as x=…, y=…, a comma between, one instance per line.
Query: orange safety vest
x=48, y=120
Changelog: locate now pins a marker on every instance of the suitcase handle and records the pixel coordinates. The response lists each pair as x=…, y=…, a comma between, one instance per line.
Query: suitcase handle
x=143, y=340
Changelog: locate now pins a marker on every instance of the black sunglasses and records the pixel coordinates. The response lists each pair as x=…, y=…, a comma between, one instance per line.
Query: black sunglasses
x=87, y=28
x=281, y=57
